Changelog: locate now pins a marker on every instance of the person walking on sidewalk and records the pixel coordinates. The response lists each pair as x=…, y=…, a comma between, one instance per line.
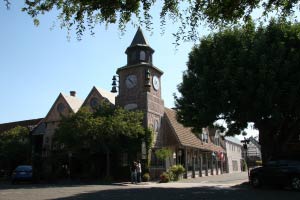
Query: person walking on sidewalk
x=133, y=172
x=139, y=171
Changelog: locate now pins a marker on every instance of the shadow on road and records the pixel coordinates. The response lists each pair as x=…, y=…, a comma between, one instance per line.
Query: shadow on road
x=133, y=192
x=239, y=192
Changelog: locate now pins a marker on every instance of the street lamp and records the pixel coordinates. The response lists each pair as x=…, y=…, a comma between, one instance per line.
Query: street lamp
x=144, y=150
x=179, y=156
x=245, y=146
x=174, y=157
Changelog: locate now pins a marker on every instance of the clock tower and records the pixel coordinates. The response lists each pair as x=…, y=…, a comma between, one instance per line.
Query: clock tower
x=140, y=84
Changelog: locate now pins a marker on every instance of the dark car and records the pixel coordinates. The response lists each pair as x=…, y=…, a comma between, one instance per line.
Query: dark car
x=277, y=172
x=22, y=173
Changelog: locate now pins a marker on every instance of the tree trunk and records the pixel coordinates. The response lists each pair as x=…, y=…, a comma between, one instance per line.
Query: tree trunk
x=267, y=144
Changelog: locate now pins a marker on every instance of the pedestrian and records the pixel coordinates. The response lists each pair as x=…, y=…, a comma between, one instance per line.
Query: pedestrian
x=139, y=171
x=133, y=171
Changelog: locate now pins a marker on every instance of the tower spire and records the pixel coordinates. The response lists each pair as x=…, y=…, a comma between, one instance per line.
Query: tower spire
x=139, y=38
x=139, y=50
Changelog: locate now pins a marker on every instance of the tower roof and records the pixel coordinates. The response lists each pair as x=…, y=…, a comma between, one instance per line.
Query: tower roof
x=139, y=38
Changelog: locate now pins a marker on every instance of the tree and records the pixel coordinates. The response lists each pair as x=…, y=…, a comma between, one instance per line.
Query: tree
x=109, y=129
x=243, y=75
x=77, y=132
x=15, y=147
x=83, y=14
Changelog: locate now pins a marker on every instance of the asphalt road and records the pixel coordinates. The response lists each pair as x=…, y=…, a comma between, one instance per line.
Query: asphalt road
x=223, y=187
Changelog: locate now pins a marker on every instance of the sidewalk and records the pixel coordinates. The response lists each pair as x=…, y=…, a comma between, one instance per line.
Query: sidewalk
x=224, y=180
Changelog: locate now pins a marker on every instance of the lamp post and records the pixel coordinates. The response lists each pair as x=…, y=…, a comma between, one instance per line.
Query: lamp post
x=245, y=146
x=174, y=157
x=70, y=160
x=144, y=150
x=179, y=156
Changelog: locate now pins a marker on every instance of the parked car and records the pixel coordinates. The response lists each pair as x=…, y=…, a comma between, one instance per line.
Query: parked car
x=22, y=173
x=277, y=172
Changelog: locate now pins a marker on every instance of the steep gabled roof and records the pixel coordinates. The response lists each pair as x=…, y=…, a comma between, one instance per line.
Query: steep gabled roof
x=108, y=95
x=185, y=135
x=74, y=102
x=101, y=93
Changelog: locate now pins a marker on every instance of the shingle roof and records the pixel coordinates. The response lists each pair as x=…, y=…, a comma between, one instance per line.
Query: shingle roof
x=185, y=135
x=24, y=123
x=108, y=95
x=74, y=102
x=139, y=38
x=138, y=41
x=233, y=140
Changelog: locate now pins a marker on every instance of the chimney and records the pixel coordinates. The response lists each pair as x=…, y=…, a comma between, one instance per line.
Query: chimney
x=73, y=93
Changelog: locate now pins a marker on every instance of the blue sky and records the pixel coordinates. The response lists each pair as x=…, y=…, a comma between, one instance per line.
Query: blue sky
x=37, y=63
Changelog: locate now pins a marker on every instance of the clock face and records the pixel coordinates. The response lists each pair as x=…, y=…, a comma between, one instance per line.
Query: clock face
x=130, y=81
x=155, y=81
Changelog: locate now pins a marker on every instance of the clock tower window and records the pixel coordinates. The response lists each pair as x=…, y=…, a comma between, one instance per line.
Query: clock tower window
x=133, y=56
x=142, y=56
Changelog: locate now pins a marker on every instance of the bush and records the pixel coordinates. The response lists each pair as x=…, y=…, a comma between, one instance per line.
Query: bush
x=164, y=177
x=176, y=171
x=146, y=177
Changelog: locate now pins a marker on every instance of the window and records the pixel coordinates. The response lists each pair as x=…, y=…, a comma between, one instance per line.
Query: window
x=142, y=55
x=156, y=126
x=235, y=165
x=60, y=107
x=133, y=56
x=94, y=103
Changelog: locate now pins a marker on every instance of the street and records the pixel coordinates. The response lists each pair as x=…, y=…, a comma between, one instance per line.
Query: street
x=225, y=187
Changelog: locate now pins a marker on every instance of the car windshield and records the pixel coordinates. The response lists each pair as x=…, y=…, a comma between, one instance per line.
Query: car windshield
x=24, y=168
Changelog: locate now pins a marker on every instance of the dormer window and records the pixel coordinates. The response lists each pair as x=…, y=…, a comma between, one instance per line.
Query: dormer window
x=142, y=56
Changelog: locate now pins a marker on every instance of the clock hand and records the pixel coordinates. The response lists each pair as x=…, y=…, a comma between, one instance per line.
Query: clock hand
x=131, y=81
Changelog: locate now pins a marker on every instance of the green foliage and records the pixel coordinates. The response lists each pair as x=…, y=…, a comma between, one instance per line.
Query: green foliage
x=78, y=131
x=99, y=131
x=102, y=134
x=164, y=177
x=15, y=147
x=149, y=138
x=86, y=14
x=243, y=75
x=175, y=172
x=146, y=177
x=163, y=153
